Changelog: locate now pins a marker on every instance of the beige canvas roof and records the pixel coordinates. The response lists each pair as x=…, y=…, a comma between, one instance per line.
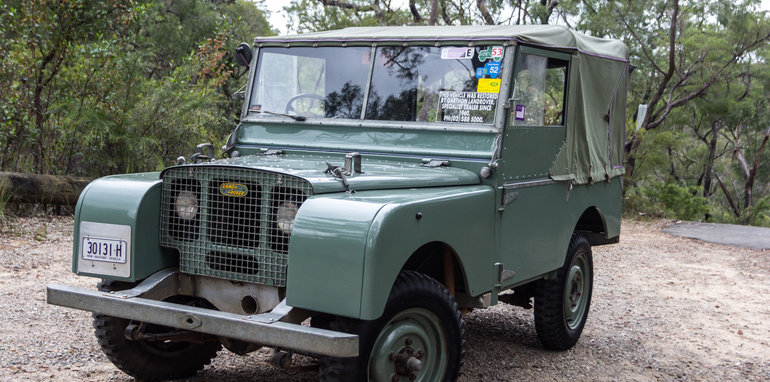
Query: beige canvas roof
x=543, y=35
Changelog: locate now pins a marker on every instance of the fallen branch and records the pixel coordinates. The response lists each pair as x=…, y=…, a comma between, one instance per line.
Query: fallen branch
x=34, y=188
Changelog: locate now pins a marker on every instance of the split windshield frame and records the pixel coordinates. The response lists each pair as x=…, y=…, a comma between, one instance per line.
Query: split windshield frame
x=500, y=106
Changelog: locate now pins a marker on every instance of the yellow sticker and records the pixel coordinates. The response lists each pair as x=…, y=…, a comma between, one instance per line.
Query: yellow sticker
x=488, y=85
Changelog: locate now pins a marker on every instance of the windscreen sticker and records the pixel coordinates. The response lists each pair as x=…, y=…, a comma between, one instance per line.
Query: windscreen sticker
x=469, y=101
x=519, y=112
x=493, y=52
x=488, y=85
x=456, y=53
x=491, y=69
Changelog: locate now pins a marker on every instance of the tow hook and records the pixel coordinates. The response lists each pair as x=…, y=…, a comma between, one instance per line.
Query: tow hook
x=281, y=359
x=135, y=332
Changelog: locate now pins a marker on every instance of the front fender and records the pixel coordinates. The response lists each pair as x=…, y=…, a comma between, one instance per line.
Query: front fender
x=326, y=254
x=347, y=249
x=461, y=217
x=120, y=201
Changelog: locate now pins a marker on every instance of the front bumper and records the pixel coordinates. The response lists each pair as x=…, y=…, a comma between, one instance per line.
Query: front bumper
x=265, y=329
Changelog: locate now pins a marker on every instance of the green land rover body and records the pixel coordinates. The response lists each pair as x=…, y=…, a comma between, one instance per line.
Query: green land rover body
x=381, y=183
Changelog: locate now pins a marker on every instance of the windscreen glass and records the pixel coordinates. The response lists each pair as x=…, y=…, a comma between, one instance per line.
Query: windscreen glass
x=453, y=84
x=312, y=82
x=435, y=84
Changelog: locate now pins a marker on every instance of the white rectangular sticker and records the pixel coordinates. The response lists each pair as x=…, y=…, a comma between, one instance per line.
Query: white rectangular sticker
x=101, y=249
x=457, y=53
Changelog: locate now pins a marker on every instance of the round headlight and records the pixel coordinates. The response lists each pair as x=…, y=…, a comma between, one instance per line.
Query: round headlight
x=284, y=217
x=186, y=205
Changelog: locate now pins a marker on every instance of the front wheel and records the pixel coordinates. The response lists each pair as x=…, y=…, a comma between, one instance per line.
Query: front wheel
x=418, y=338
x=562, y=303
x=149, y=360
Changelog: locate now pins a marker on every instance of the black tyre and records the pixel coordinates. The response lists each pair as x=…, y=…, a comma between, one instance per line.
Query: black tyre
x=420, y=337
x=562, y=304
x=146, y=360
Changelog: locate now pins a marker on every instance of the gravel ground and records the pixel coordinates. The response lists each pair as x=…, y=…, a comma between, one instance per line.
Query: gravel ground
x=664, y=308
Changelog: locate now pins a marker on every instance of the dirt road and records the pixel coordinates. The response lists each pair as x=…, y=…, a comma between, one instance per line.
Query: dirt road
x=664, y=308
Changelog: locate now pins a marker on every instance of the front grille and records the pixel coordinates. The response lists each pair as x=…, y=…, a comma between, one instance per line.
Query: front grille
x=236, y=222
x=233, y=235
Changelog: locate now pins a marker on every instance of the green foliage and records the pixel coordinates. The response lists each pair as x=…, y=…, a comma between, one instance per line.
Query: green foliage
x=759, y=213
x=312, y=16
x=95, y=88
x=667, y=200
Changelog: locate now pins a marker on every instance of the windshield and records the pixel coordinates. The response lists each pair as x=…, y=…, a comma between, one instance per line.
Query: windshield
x=419, y=83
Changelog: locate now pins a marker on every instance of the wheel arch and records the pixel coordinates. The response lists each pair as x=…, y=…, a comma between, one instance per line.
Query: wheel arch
x=593, y=225
x=430, y=259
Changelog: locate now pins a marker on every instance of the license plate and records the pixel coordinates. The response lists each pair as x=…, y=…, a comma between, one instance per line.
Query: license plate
x=109, y=250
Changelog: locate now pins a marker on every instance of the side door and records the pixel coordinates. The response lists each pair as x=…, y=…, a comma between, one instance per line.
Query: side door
x=533, y=209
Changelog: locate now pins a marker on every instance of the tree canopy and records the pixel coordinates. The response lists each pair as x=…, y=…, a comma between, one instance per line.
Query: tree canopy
x=102, y=87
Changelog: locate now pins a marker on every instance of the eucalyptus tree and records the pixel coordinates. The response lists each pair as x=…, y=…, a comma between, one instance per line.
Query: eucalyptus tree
x=681, y=49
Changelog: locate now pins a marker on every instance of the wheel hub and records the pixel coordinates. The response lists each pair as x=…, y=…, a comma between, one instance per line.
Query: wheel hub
x=576, y=287
x=403, y=351
x=407, y=362
x=575, y=292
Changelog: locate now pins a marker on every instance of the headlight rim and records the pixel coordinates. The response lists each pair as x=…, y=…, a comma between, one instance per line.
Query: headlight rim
x=190, y=202
x=281, y=215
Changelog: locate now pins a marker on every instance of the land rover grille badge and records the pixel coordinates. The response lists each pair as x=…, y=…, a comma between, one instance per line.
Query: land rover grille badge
x=233, y=189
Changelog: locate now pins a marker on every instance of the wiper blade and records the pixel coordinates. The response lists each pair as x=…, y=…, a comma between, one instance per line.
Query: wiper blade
x=294, y=117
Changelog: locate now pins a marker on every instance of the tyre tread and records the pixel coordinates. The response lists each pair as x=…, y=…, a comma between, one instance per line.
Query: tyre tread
x=143, y=367
x=408, y=283
x=552, y=330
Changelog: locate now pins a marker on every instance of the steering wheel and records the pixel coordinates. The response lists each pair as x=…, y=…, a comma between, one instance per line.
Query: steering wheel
x=290, y=108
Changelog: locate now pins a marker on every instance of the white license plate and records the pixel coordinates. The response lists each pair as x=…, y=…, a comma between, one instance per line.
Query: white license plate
x=109, y=250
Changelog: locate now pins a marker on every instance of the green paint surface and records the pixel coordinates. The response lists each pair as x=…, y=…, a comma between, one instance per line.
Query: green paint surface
x=132, y=200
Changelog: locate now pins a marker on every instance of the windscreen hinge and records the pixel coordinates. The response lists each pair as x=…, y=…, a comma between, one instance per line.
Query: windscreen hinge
x=272, y=152
x=434, y=163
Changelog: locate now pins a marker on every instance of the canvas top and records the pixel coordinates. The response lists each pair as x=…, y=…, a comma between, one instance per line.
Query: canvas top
x=539, y=35
x=599, y=68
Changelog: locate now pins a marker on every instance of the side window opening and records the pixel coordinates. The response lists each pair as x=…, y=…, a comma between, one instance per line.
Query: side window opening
x=539, y=91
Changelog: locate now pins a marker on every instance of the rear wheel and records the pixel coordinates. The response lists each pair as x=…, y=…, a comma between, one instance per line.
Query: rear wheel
x=418, y=338
x=562, y=304
x=150, y=360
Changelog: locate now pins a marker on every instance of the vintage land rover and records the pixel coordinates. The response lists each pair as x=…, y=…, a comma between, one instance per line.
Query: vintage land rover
x=382, y=182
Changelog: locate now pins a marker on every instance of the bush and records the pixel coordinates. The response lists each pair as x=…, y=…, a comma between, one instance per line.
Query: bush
x=759, y=213
x=666, y=200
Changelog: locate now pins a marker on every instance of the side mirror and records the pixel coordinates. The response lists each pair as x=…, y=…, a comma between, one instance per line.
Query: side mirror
x=243, y=54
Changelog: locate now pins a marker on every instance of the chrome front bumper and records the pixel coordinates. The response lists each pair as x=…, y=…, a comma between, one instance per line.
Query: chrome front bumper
x=265, y=329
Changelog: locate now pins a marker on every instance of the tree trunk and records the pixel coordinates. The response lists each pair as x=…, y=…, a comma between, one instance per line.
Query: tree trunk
x=712, y=156
x=749, y=185
x=433, y=13
x=33, y=188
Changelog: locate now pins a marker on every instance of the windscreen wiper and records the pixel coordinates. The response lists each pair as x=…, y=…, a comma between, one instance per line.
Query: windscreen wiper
x=294, y=117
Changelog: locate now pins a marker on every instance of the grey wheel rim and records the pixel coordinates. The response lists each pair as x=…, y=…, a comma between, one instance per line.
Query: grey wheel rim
x=577, y=290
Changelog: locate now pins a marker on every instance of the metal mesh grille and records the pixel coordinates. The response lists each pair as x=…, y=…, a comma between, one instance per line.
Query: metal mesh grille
x=234, y=232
